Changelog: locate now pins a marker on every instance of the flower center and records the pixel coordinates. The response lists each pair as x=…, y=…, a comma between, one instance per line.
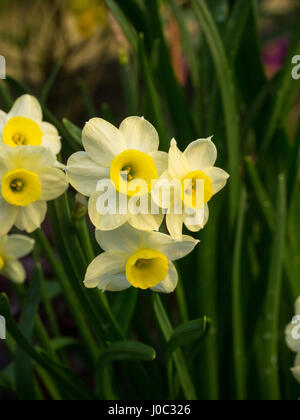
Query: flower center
x=132, y=172
x=197, y=189
x=1, y=263
x=146, y=268
x=22, y=131
x=21, y=187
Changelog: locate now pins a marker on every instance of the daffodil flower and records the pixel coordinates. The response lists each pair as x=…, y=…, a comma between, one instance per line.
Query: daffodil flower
x=185, y=171
x=28, y=180
x=24, y=126
x=292, y=335
x=123, y=157
x=137, y=258
x=12, y=248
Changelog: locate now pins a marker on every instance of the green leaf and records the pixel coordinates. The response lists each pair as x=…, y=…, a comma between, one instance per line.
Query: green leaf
x=287, y=87
x=60, y=343
x=225, y=79
x=23, y=365
x=73, y=130
x=127, y=350
x=116, y=352
x=124, y=23
x=188, y=333
x=72, y=384
x=239, y=349
x=179, y=360
x=271, y=332
x=50, y=82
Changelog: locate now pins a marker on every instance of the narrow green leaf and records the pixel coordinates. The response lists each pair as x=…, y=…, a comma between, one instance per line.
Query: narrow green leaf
x=73, y=130
x=127, y=350
x=124, y=23
x=50, y=82
x=225, y=79
x=23, y=365
x=239, y=350
x=188, y=333
x=180, y=363
x=271, y=332
x=71, y=382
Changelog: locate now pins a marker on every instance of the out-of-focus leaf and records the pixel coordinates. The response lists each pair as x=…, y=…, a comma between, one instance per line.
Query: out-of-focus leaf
x=23, y=365
x=73, y=130
x=63, y=342
x=123, y=21
x=50, y=82
x=72, y=384
x=187, y=334
x=227, y=87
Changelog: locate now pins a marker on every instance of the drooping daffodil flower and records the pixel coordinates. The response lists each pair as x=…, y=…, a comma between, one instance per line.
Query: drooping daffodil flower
x=185, y=170
x=121, y=157
x=23, y=125
x=13, y=247
x=135, y=258
x=28, y=180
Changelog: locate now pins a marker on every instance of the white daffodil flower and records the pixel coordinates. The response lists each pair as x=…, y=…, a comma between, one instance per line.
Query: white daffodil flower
x=292, y=335
x=24, y=126
x=186, y=170
x=28, y=180
x=123, y=157
x=12, y=248
x=137, y=258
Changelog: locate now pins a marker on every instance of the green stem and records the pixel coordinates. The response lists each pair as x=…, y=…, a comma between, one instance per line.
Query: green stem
x=69, y=294
x=237, y=313
x=167, y=330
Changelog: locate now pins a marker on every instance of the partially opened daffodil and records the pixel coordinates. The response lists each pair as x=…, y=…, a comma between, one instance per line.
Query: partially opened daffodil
x=185, y=171
x=12, y=248
x=136, y=258
x=24, y=126
x=292, y=335
x=123, y=157
x=28, y=180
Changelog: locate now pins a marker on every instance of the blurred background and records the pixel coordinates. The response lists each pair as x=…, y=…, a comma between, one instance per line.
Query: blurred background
x=87, y=58
x=86, y=39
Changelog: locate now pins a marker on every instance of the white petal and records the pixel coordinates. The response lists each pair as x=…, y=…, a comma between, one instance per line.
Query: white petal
x=104, y=221
x=102, y=141
x=297, y=307
x=174, y=250
x=18, y=246
x=199, y=220
x=27, y=106
x=107, y=272
x=51, y=138
x=292, y=343
x=178, y=164
x=140, y=134
x=146, y=222
x=31, y=217
x=8, y=215
x=296, y=373
x=170, y=283
x=125, y=238
x=175, y=225
x=3, y=119
x=14, y=271
x=201, y=154
x=161, y=161
x=218, y=176
x=54, y=183
x=83, y=173
x=32, y=158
